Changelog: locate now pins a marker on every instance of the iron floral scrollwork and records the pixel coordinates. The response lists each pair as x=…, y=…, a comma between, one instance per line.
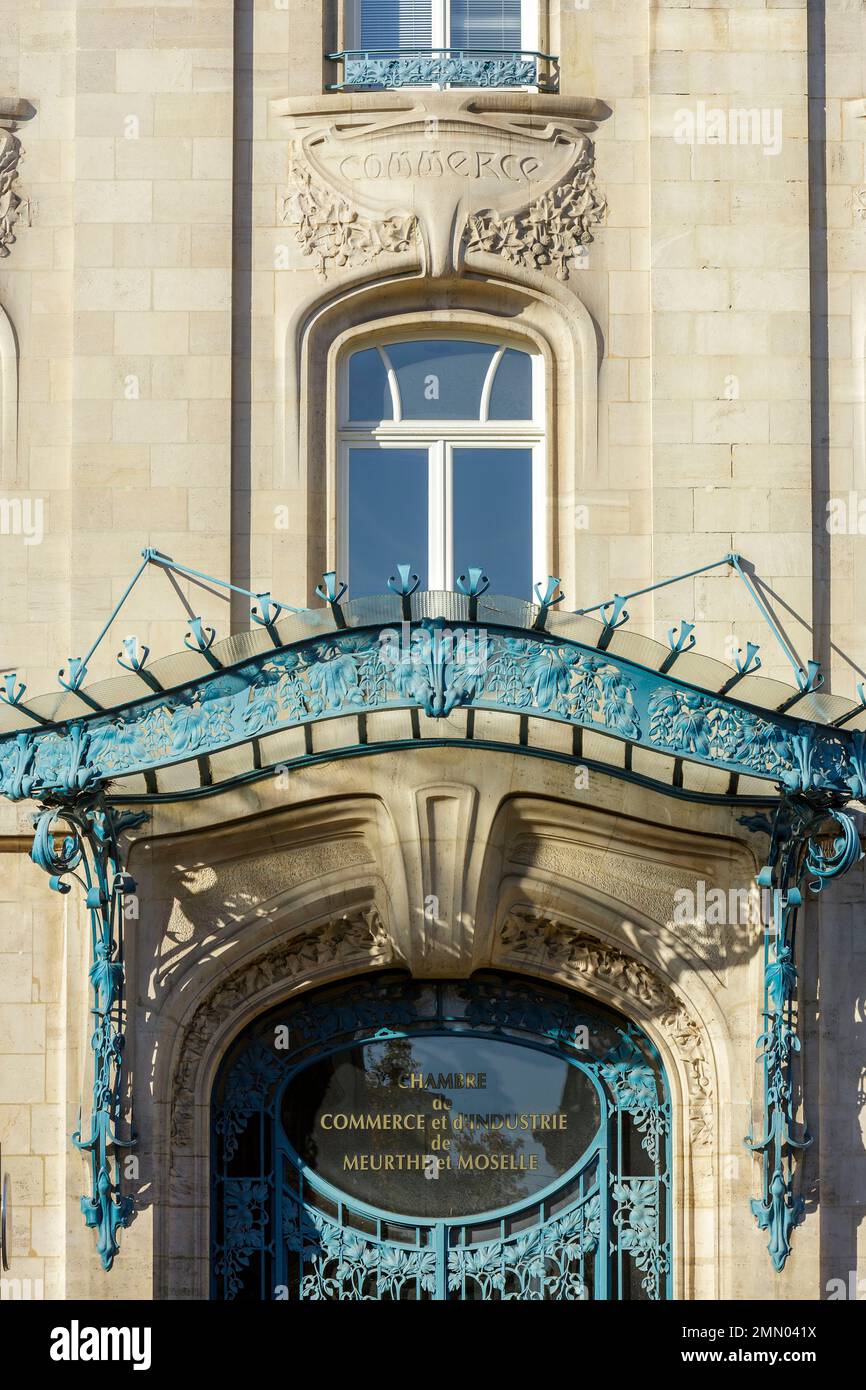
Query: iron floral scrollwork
x=343, y=1265
x=448, y=67
x=536, y=1266
x=634, y=1085
x=247, y=1214
x=90, y=852
x=636, y=1216
x=432, y=667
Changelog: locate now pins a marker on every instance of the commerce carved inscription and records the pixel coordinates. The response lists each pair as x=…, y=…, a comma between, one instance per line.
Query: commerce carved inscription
x=440, y=163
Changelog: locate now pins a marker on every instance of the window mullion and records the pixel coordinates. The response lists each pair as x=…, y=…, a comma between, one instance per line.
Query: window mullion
x=441, y=36
x=437, y=517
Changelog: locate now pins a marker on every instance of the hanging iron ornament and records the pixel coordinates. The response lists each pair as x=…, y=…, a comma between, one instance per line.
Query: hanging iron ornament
x=89, y=852
x=797, y=839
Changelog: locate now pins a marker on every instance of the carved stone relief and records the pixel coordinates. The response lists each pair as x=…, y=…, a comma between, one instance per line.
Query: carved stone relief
x=459, y=178
x=210, y=896
x=334, y=232
x=554, y=229
x=528, y=936
x=358, y=939
x=10, y=154
x=652, y=888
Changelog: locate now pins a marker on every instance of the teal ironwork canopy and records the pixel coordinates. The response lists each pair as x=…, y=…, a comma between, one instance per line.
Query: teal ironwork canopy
x=471, y=667
x=223, y=712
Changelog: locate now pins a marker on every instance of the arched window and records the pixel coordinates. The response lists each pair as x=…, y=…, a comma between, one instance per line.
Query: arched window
x=476, y=1140
x=442, y=464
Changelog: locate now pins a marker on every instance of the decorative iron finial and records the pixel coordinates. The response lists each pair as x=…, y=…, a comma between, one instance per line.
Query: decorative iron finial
x=13, y=695
x=404, y=588
x=546, y=600
x=615, y=614
x=331, y=593
x=267, y=612
x=812, y=678
x=77, y=672
x=679, y=641
x=202, y=638
x=136, y=655
x=473, y=584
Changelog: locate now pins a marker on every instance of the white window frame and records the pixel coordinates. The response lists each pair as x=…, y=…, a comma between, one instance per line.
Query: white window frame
x=440, y=438
x=530, y=36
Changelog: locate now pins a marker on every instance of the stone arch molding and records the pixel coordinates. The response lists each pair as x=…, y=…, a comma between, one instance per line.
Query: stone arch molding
x=442, y=176
x=8, y=397
x=549, y=317
x=534, y=942
x=347, y=944
x=529, y=942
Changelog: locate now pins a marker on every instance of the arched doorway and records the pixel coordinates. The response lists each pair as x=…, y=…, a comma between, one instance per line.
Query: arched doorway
x=473, y=1140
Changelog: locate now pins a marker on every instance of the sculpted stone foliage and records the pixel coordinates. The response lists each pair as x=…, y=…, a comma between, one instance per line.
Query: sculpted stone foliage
x=334, y=232
x=10, y=154
x=358, y=937
x=527, y=935
x=450, y=171
x=553, y=230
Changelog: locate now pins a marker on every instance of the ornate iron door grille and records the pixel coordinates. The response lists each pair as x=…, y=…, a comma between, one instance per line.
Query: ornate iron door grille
x=601, y=1230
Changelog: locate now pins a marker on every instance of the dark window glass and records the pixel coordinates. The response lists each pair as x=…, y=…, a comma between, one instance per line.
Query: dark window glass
x=493, y=517
x=485, y=24
x=441, y=379
x=511, y=396
x=369, y=393
x=387, y=515
x=396, y=23
x=357, y=1123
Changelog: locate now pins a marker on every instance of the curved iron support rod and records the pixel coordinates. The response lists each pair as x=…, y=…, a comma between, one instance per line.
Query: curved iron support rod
x=796, y=852
x=90, y=853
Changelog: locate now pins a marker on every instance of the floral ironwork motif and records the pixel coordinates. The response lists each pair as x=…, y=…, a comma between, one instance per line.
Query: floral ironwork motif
x=436, y=671
x=247, y=1204
x=798, y=835
x=636, y=1217
x=344, y=1265
x=539, y=1265
x=442, y=67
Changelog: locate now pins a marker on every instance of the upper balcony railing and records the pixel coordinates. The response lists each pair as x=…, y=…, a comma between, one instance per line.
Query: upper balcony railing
x=378, y=69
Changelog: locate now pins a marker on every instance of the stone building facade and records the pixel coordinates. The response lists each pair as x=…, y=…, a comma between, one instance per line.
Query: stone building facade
x=204, y=214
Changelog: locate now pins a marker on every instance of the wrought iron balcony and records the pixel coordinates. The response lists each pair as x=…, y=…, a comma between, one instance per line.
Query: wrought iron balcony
x=383, y=68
